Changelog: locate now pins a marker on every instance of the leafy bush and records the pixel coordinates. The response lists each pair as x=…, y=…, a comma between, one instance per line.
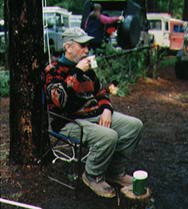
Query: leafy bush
x=168, y=62
x=2, y=59
x=156, y=55
x=125, y=67
x=4, y=83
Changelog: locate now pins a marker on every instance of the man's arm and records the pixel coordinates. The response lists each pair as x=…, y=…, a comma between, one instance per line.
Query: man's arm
x=60, y=86
x=55, y=86
x=109, y=20
x=104, y=102
x=103, y=97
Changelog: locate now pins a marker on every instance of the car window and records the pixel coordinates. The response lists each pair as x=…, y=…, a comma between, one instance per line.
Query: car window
x=49, y=18
x=178, y=28
x=58, y=19
x=166, y=26
x=155, y=24
x=65, y=21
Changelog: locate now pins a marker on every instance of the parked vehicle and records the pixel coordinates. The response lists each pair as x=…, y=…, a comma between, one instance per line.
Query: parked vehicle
x=126, y=34
x=74, y=20
x=2, y=37
x=181, y=65
x=56, y=19
x=168, y=32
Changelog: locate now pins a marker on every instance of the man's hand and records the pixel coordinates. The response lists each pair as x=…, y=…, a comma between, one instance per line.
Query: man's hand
x=121, y=18
x=106, y=118
x=84, y=64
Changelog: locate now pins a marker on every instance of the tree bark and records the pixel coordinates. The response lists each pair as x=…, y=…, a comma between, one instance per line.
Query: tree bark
x=185, y=10
x=25, y=63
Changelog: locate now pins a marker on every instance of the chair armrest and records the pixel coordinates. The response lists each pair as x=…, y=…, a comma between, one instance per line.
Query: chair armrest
x=70, y=120
x=65, y=118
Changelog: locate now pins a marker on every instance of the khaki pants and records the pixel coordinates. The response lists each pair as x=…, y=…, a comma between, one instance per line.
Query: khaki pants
x=109, y=147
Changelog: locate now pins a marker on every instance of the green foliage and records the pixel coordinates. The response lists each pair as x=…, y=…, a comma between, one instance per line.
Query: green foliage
x=1, y=8
x=75, y=6
x=156, y=54
x=167, y=62
x=2, y=59
x=123, y=67
x=4, y=83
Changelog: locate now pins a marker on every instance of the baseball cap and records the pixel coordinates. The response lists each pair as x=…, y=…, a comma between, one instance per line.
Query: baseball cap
x=76, y=34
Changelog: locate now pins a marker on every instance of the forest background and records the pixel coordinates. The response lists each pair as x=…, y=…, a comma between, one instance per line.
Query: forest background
x=176, y=8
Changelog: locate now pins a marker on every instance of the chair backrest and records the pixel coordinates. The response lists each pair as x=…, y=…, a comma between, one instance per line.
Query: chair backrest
x=64, y=148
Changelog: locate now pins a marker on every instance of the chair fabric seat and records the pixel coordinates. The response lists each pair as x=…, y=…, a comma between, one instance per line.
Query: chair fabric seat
x=64, y=137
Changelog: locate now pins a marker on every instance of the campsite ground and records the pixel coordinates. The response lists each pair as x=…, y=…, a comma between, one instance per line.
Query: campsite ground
x=162, y=105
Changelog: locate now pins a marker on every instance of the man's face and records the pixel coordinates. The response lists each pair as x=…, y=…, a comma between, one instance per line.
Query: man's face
x=76, y=51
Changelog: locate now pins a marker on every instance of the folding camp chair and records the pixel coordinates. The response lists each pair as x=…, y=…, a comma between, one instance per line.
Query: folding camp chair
x=65, y=149
x=68, y=150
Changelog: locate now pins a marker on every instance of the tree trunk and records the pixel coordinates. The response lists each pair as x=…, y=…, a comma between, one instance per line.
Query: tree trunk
x=185, y=10
x=25, y=63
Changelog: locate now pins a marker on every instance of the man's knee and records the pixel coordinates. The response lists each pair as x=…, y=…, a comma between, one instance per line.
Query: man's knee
x=138, y=124
x=134, y=128
x=110, y=137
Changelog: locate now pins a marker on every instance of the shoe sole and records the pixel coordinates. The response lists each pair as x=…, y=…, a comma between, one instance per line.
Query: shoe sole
x=99, y=194
x=115, y=181
x=119, y=183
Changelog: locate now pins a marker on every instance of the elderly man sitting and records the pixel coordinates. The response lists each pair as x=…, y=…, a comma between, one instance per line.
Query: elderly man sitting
x=74, y=89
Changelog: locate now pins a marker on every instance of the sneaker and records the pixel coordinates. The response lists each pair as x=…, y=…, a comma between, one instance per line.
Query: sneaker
x=99, y=186
x=125, y=180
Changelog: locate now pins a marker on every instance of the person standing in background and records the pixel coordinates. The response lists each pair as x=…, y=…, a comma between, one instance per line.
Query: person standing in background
x=94, y=25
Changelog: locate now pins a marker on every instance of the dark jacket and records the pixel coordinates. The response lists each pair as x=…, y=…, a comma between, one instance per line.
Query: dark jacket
x=95, y=28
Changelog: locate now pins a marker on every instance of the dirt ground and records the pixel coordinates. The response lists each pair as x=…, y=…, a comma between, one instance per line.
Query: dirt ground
x=162, y=105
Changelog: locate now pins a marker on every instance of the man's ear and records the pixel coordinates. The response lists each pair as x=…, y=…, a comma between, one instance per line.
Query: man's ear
x=68, y=47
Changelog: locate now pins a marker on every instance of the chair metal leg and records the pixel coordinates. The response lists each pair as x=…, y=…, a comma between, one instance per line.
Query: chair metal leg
x=62, y=183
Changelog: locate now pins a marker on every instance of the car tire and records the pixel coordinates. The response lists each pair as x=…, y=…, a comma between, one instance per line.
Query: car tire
x=181, y=69
x=129, y=32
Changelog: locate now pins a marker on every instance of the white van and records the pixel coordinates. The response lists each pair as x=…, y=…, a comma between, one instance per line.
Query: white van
x=56, y=20
x=167, y=31
x=75, y=20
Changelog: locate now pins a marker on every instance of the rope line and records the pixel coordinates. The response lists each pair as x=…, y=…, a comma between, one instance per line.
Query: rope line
x=45, y=26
